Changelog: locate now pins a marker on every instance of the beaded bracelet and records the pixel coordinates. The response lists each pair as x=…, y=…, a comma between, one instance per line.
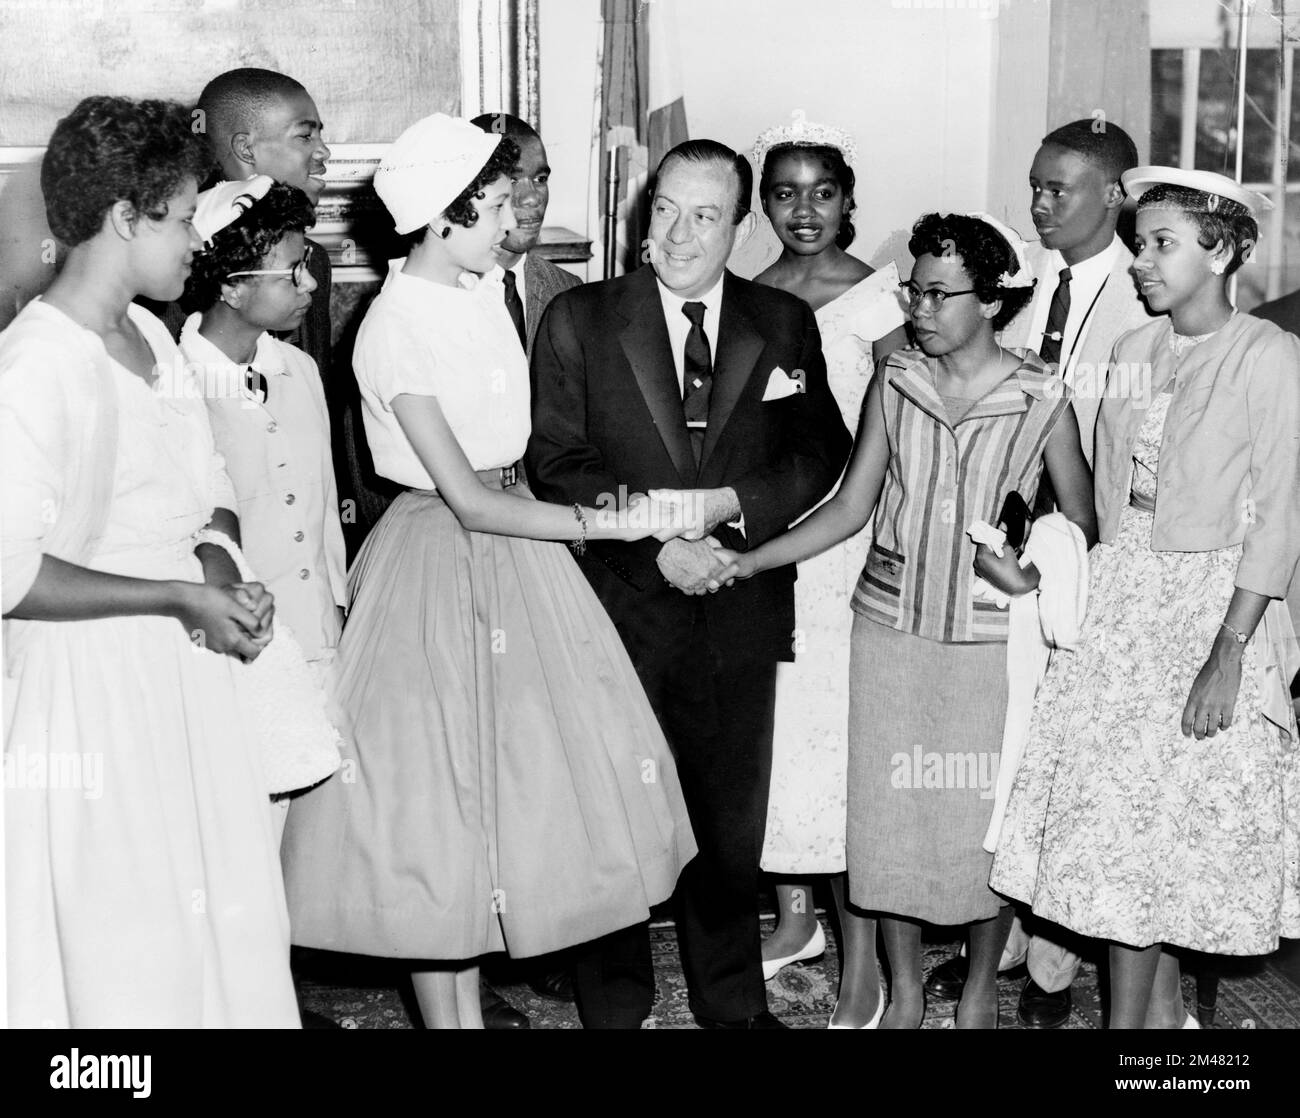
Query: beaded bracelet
x=580, y=544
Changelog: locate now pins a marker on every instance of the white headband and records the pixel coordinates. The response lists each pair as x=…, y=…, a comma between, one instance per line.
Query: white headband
x=1024, y=277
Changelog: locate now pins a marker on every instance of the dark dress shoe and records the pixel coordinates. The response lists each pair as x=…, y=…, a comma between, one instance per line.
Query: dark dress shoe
x=499, y=1013
x=947, y=980
x=313, y=1020
x=556, y=985
x=764, y=1020
x=1040, y=1010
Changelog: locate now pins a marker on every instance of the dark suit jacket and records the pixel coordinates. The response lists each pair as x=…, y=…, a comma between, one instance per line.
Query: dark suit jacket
x=1286, y=313
x=543, y=281
x=607, y=416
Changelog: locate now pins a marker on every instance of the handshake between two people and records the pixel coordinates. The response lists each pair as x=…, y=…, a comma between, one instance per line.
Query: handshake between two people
x=683, y=520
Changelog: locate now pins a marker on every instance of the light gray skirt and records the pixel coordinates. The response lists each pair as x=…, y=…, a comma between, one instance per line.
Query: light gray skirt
x=925, y=734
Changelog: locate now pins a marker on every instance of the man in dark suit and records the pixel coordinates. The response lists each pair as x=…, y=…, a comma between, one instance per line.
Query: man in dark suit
x=1285, y=312
x=532, y=281
x=684, y=377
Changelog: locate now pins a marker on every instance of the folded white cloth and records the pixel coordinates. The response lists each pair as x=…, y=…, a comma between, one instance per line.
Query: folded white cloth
x=781, y=384
x=1051, y=618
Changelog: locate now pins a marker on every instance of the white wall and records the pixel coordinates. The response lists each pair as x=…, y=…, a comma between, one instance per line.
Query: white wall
x=913, y=83
x=569, y=34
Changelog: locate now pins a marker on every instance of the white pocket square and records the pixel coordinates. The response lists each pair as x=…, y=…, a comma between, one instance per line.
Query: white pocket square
x=781, y=384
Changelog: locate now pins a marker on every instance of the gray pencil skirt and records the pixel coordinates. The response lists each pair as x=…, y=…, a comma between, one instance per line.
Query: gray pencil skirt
x=925, y=734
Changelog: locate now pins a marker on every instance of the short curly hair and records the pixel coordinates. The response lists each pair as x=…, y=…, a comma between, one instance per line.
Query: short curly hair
x=112, y=149
x=1216, y=218
x=840, y=171
x=984, y=254
x=245, y=244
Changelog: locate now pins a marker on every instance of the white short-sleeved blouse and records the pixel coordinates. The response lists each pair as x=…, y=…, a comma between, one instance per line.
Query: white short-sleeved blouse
x=456, y=343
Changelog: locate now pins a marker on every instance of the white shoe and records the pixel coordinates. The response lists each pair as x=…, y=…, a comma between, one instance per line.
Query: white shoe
x=813, y=949
x=874, y=1023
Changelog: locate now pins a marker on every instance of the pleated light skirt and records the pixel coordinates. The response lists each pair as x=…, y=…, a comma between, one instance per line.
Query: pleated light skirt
x=505, y=784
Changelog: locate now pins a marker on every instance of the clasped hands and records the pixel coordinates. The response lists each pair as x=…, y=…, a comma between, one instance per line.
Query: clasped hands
x=684, y=520
x=225, y=613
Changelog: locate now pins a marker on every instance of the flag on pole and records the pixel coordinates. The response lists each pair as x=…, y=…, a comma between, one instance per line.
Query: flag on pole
x=643, y=114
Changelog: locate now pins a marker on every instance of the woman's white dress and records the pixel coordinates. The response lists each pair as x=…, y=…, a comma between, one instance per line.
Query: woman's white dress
x=144, y=885
x=806, y=805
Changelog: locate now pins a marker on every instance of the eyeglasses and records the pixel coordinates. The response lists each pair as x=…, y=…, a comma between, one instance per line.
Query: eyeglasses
x=913, y=296
x=298, y=272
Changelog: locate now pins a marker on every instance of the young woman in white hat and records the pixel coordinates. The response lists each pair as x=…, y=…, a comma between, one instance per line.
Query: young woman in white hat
x=507, y=786
x=1156, y=803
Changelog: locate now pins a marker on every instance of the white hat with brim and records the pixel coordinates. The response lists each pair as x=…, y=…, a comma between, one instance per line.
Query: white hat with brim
x=1141, y=179
x=428, y=166
x=226, y=203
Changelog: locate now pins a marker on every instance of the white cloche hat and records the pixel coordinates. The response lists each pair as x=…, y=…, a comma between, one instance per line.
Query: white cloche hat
x=428, y=165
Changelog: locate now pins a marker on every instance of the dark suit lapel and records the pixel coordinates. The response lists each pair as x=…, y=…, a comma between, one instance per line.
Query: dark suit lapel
x=645, y=344
x=739, y=348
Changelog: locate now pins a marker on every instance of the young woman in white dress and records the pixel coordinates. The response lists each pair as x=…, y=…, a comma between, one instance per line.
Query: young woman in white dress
x=506, y=786
x=806, y=185
x=143, y=880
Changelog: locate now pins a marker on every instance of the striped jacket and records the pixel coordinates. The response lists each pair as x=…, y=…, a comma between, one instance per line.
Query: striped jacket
x=940, y=479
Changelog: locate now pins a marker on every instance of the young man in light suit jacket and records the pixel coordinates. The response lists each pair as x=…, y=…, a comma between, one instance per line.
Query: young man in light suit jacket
x=1076, y=198
x=1084, y=301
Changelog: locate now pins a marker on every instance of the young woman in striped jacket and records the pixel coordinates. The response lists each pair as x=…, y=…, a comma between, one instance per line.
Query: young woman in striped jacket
x=948, y=430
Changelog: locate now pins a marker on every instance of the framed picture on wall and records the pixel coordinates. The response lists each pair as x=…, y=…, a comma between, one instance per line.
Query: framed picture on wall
x=351, y=222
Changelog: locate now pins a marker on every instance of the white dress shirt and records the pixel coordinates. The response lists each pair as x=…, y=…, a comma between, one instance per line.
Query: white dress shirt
x=456, y=343
x=679, y=326
x=1086, y=281
x=278, y=456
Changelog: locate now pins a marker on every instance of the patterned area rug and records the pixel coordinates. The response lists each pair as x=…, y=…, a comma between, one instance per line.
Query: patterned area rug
x=361, y=993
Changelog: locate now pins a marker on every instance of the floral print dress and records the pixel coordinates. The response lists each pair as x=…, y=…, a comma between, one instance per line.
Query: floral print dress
x=1118, y=826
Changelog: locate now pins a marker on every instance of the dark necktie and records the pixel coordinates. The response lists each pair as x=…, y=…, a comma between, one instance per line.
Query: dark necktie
x=1057, y=313
x=516, y=308
x=697, y=378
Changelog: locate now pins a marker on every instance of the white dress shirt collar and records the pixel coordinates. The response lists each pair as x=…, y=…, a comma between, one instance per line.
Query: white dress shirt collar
x=1086, y=281
x=1087, y=276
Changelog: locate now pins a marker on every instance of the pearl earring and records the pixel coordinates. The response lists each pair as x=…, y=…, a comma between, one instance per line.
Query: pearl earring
x=1218, y=267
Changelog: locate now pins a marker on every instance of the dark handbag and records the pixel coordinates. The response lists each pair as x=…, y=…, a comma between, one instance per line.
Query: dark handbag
x=1015, y=519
